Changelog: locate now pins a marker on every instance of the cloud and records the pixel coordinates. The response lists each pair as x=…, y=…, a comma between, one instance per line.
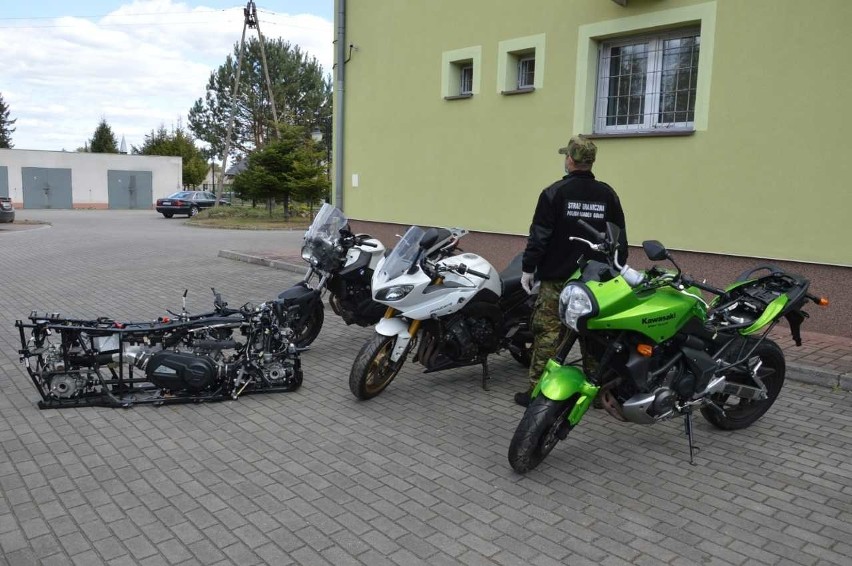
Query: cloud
x=140, y=66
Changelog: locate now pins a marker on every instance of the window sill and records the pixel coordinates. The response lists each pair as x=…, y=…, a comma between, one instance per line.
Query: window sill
x=524, y=90
x=458, y=97
x=654, y=134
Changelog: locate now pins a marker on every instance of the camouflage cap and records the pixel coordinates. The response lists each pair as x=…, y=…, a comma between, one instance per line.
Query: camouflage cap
x=580, y=149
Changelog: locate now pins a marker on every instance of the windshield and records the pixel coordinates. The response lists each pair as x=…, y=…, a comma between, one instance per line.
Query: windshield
x=402, y=256
x=322, y=236
x=327, y=224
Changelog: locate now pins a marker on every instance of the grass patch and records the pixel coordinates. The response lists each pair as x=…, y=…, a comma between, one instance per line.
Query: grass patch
x=248, y=218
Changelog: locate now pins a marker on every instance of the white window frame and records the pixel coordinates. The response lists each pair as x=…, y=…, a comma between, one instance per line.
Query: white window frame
x=653, y=75
x=524, y=62
x=466, y=78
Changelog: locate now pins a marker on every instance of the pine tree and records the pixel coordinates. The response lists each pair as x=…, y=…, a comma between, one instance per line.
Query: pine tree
x=6, y=128
x=104, y=140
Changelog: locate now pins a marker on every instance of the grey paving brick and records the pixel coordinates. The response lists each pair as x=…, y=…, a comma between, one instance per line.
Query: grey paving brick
x=417, y=474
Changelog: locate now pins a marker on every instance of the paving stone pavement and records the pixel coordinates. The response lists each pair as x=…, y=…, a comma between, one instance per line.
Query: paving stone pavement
x=417, y=475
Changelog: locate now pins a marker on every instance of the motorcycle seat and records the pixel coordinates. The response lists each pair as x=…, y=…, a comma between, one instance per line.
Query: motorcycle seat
x=511, y=276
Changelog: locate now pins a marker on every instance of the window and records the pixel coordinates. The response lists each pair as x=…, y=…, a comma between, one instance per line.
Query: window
x=648, y=83
x=520, y=64
x=460, y=73
x=466, y=79
x=591, y=93
x=526, y=72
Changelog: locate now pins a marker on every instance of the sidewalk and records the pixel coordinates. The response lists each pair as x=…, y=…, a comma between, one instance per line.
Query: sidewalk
x=822, y=359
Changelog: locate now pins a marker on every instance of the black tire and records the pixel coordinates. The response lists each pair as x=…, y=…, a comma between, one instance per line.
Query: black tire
x=373, y=370
x=168, y=214
x=740, y=413
x=543, y=425
x=311, y=326
x=193, y=210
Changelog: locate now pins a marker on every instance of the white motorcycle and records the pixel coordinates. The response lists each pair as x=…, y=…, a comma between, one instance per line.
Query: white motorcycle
x=452, y=310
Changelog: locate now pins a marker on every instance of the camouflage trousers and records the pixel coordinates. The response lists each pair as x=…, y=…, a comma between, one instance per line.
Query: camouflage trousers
x=548, y=330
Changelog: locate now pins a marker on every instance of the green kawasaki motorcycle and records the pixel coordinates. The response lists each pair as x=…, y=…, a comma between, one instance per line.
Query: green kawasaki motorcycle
x=652, y=348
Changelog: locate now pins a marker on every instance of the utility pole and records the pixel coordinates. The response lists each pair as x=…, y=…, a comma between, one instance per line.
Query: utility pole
x=250, y=21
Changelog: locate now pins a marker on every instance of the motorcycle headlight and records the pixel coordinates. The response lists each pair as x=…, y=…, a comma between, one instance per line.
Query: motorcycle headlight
x=574, y=302
x=394, y=293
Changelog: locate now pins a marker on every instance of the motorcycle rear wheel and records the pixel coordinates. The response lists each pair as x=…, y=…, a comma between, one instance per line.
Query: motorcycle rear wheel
x=311, y=327
x=740, y=413
x=541, y=428
x=373, y=369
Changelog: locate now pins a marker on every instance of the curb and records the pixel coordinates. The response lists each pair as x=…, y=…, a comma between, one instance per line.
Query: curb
x=258, y=260
x=818, y=376
x=797, y=372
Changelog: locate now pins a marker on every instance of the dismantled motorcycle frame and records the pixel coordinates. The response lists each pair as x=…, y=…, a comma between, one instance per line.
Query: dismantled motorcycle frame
x=190, y=358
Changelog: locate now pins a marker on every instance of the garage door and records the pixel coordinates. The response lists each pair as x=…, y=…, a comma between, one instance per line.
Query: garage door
x=46, y=187
x=130, y=189
x=4, y=181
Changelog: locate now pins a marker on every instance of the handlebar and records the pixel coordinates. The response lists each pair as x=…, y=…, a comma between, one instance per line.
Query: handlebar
x=598, y=236
x=462, y=269
x=689, y=282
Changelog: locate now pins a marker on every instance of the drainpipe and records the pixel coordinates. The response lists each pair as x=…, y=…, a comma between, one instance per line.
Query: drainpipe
x=337, y=127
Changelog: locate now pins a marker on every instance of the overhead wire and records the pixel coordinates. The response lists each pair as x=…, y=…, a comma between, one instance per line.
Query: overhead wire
x=138, y=15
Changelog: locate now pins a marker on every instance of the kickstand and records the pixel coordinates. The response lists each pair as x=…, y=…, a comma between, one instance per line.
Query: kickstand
x=687, y=425
x=485, y=376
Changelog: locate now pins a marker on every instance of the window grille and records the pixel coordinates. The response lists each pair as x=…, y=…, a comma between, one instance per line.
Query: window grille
x=466, y=79
x=526, y=72
x=648, y=83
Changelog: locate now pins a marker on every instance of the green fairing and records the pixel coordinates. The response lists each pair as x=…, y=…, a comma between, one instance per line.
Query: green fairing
x=563, y=382
x=769, y=314
x=658, y=313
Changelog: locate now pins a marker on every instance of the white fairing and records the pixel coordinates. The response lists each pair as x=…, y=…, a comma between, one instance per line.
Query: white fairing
x=426, y=300
x=375, y=253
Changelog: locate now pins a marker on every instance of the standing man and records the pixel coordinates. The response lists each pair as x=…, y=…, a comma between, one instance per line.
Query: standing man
x=549, y=252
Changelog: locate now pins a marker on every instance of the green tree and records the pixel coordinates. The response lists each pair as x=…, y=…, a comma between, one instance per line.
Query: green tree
x=176, y=143
x=6, y=124
x=289, y=167
x=103, y=141
x=302, y=97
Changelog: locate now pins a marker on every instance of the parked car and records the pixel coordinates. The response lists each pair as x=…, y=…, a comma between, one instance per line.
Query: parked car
x=187, y=202
x=7, y=211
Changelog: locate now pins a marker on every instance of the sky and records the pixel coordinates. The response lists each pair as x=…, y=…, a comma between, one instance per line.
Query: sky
x=138, y=64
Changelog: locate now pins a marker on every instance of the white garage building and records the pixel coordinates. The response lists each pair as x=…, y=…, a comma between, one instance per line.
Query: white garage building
x=61, y=179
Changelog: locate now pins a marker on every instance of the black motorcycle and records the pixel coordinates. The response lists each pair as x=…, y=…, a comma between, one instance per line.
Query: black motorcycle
x=341, y=262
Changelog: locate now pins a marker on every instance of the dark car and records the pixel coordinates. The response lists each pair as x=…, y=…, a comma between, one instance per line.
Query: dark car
x=7, y=211
x=187, y=202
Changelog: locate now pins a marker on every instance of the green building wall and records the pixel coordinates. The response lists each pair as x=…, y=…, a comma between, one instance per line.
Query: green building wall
x=766, y=173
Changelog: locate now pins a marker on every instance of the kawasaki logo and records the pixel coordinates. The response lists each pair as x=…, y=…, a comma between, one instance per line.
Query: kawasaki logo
x=656, y=319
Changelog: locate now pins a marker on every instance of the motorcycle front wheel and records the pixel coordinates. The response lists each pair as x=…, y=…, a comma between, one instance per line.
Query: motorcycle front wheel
x=373, y=369
x=741, y=412
x=310, y=326
x=543, y=425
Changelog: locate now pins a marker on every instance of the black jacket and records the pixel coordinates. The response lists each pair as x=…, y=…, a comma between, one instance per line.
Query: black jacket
x=576, y=196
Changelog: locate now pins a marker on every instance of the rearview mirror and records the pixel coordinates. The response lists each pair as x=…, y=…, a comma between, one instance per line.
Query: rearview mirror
x=613, y=233
x=655, y=250
x=429, y=239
